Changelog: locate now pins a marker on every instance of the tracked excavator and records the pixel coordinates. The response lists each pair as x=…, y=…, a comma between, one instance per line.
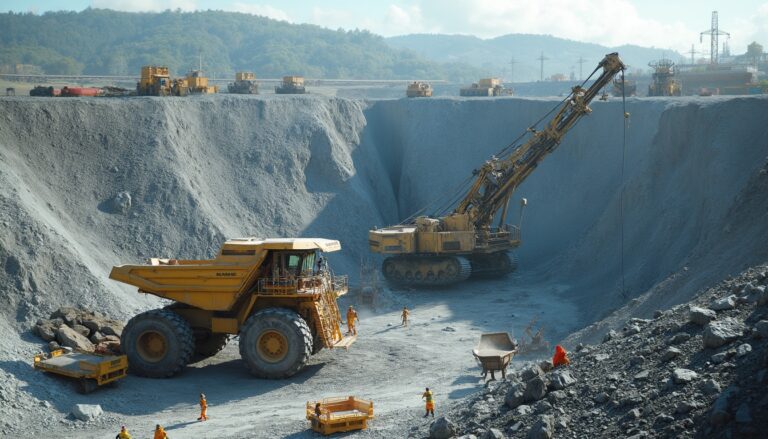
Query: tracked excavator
x=465, y=238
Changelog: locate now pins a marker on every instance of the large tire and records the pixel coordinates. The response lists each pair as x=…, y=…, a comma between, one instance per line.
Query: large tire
x=275, y=343
x=158, y=343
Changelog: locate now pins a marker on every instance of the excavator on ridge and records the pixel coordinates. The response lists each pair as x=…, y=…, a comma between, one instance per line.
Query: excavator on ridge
x=452, y=245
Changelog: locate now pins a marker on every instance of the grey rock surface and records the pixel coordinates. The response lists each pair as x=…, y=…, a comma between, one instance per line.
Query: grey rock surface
x=86, y=412
x=720, y=332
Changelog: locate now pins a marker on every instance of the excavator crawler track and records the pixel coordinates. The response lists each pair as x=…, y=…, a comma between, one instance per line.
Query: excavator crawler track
x=425, y=271
x=493, y=265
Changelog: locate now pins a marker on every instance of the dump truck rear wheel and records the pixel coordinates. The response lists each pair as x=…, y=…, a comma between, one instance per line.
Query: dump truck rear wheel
x=158, y=343
x=275, y=343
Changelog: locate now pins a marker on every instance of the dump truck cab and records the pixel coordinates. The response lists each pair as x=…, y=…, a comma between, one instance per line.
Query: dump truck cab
x=279, y=295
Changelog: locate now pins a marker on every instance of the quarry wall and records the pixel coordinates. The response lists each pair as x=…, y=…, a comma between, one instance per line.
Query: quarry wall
x=202, y=169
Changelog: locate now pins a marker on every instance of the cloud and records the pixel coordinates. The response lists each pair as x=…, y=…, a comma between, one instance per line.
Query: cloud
x=607, y=22
x=332, y=18
x=144, y=5
x=259, y=9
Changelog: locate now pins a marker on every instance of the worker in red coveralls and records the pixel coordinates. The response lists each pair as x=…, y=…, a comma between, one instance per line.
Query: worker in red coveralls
x=561, y=357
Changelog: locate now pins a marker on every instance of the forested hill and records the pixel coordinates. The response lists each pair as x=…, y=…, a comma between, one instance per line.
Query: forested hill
x=494, y=55
x=106, y=42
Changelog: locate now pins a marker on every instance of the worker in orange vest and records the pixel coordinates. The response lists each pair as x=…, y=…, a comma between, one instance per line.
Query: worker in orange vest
x=430, y=402
x=405, y=315
x=160, y=432
x=561, y=357
x=351, y=317
x=203, y=408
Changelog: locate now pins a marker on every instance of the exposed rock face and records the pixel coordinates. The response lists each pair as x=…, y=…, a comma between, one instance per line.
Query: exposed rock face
x=560, y=379
x=543, y=428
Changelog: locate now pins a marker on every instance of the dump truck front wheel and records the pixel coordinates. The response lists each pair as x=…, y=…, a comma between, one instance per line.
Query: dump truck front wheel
x=275, y=343
x=158, y=343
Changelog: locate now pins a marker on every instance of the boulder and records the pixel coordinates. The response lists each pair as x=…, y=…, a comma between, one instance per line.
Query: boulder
x=701, y=316
x=535, y=389
x=87, y=412
x=709, y=387
x=642, y=375
x=522, y=410
x=492, y=433
x=121, y=203
x=743, y=350
x=723, y=304
x=67, y=336
x=683, y=376
x=112, y=327
x=67, y=314
x=720, y=332
x=601, y=398
x=531, y=372
x=543, y=428
x=515, y=396
x=45, y=330
x=82, y=330
x=560, y=379
x=53, y=345
x=631, y=330
x=442, y=428
x=670, y=353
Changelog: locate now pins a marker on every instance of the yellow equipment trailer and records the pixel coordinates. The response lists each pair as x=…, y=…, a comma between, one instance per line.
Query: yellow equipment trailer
x=91, y=369
x=278, y=295
x=340, y=414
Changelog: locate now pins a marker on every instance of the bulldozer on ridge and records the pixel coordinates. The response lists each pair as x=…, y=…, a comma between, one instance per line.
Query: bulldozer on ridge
x=278, y=295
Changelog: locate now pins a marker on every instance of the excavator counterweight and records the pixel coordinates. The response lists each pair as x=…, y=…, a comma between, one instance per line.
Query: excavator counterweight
x=472, y=239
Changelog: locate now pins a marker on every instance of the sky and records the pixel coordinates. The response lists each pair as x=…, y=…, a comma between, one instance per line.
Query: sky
x=668, y=24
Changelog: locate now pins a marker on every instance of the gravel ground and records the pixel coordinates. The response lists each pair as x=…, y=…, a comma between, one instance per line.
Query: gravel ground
x=89, y=183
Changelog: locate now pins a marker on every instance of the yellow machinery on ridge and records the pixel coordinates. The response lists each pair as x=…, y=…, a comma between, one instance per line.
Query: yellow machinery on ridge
x=418, y=89
x=276, y=294
x=453, y=245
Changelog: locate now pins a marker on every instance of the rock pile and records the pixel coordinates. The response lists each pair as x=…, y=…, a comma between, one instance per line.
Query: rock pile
x=80, y=329
x=696, y=370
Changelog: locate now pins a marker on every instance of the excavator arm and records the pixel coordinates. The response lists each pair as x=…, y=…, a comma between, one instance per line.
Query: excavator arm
x=495, y=181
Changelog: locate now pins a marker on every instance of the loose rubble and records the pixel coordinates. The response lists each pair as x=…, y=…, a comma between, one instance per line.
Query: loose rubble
x=80, y=329
x=696, y=370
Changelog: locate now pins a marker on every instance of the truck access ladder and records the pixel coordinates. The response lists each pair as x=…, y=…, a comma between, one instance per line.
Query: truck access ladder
x=328, y=318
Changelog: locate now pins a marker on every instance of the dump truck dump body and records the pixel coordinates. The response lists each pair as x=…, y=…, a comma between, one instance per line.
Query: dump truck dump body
x=340, y=414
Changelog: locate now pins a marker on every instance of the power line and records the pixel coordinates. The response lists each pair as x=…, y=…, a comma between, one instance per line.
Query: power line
x=542, y=58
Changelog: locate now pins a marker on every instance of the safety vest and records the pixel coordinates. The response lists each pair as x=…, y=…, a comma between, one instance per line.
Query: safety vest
x=428, y=395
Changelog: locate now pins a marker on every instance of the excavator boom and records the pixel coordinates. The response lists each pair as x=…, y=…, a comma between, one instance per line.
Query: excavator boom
x=446, y=249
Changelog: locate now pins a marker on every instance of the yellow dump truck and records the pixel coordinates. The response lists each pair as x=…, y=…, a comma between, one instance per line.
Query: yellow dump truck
x=291, y=85
x=154, y=81
x=278, y=295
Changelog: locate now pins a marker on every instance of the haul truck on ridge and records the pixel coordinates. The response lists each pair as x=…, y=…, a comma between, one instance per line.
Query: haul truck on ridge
x=278, y=295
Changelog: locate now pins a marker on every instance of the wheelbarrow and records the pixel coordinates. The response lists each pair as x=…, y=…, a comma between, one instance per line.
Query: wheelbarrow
x=494, y=352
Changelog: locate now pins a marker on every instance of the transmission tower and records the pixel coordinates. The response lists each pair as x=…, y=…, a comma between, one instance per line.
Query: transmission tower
x=512, y=63
x=693, y=52
x=581, y=62
x=542, y=58
x=714, y=32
